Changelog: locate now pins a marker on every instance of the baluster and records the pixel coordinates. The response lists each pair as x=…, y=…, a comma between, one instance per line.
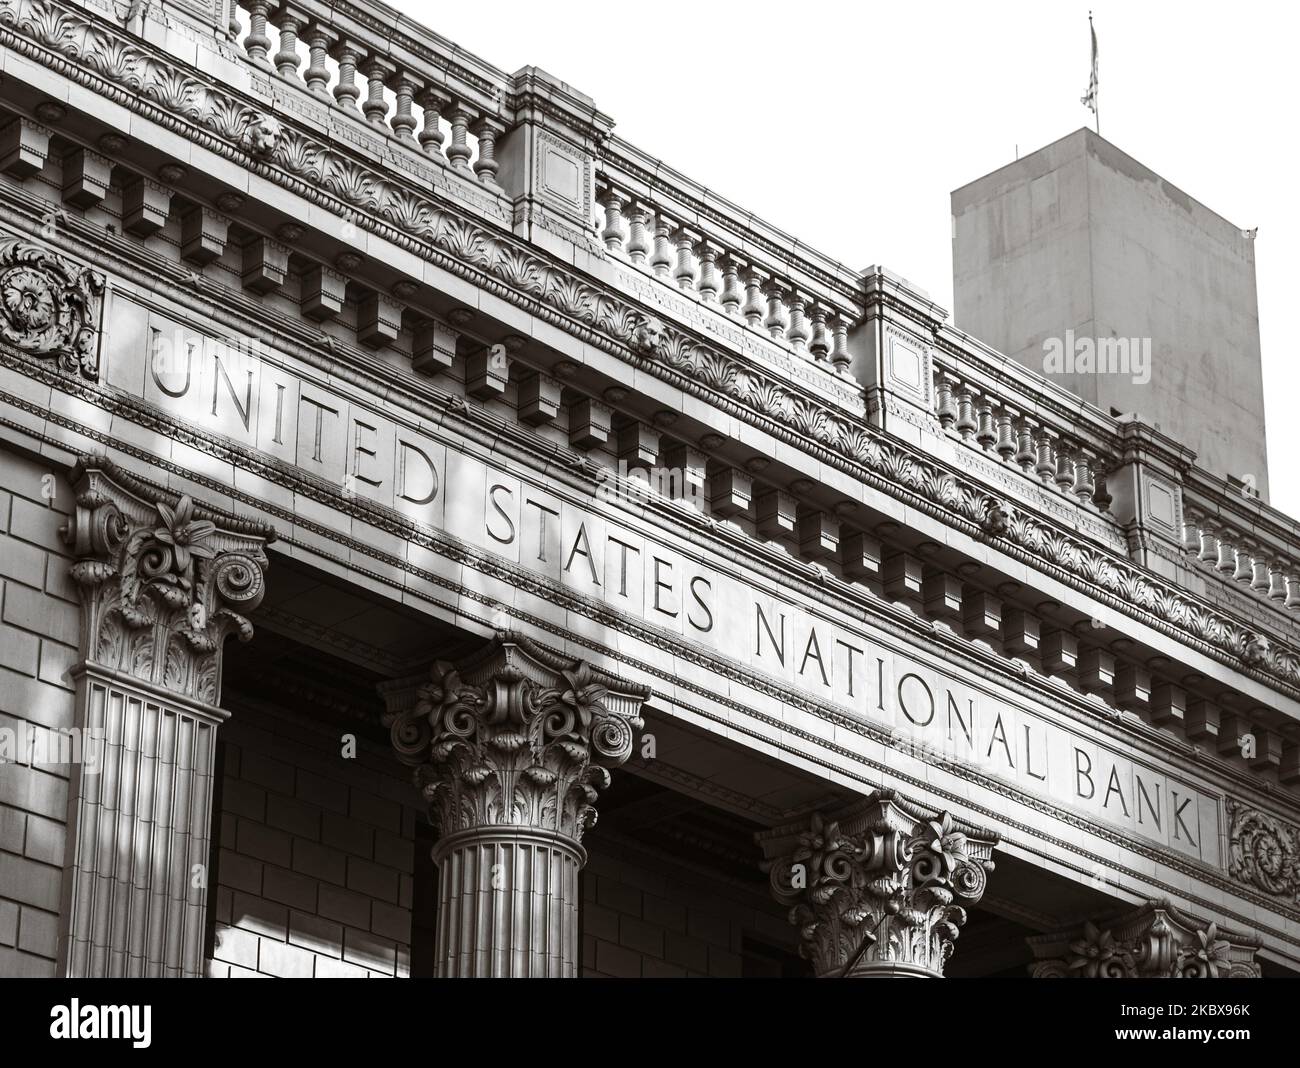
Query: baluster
x=1006, y=436
x=1064, y=467
x=1209, y=551
x=348, y=56
x=1259, y=573
x=319, y=41
x=753, y=308
x=840, y=357
x=1292, y=592
x=966, y=424
x=1046, y=466
x=944, y=406
x=612, y=234
x=1277, y=580
x=434, y=102
x=257, y=43
x=287, y=61
x=232, y=19
x=819, y=343
x=775, y=318
x=797, y=333
x=1227, y=558
x=459, y=151
x=707, y=253
x=661, y=262
x=375, y=107
x=638, y=241
x=403, y=120
x=684, y=274
x=487, y=130
x=1244, y=571
x=732, y=291
x=1100, y=469
x=1084, y=484
x=1026, y=451
x=986, y=435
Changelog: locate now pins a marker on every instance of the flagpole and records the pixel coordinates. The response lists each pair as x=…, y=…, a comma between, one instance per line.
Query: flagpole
x=1096, y=93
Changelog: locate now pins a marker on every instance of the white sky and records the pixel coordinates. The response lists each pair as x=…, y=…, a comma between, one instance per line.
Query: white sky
x=848, y=125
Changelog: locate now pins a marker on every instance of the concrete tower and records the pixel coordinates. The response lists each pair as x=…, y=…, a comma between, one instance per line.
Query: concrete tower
x=1085, y=265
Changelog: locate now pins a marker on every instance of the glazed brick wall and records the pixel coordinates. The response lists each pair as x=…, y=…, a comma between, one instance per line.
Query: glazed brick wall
x=315, y=853
x=39, y=623
x=646, y=916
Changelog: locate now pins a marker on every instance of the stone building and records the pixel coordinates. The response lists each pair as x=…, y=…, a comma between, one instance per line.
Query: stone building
x=399, y=470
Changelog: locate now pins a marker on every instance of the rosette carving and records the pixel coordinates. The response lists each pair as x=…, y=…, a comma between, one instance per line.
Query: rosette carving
x=50, y=306
x=1155, y=942
x=1263, y=851
x=879, y=888
x=515, y=737
x=163, y=581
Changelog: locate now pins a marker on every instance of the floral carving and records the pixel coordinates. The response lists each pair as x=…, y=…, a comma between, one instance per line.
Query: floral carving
x=515, y=737
x=560, y=291
x=162, y=585
x=878, y=888
x=1155, y=942
x=1264, y=852
x=50, y=306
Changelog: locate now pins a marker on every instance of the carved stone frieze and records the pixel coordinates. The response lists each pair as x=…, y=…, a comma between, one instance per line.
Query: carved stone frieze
x=1155, y=942
x=49, y=306
x=878, y=888
x=1263, y=851
x=515, y=737
x=163, y=581
x=324, y=173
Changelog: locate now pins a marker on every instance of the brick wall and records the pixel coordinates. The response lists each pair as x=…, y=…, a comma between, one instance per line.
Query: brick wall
x=315, y=853
x=644, y=915
x=39, y=621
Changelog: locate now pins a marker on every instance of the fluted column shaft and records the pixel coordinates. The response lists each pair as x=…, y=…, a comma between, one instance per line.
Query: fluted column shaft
x=508, y=904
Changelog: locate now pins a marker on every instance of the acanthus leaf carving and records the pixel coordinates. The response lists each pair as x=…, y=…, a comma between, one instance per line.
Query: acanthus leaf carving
x=163, y=582
x=878, y=888
x=517, y=736
x=1156, y=941
x=50, y=306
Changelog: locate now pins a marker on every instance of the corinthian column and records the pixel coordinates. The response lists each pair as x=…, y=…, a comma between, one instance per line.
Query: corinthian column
x=510, y=749
x=1153, y=942
x=876, y=889
x=163, y=582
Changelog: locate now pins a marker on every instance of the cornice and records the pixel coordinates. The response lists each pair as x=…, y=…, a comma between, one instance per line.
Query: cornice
x=120, y=68
x=837, y=758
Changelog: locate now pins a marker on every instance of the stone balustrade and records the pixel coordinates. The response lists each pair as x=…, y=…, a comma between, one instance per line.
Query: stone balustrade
x=1060, y=459
x=696, y=242
x=1234, y=538
x=425, y=90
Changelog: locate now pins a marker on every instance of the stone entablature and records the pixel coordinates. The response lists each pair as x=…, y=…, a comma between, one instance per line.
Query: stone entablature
x=763, y=409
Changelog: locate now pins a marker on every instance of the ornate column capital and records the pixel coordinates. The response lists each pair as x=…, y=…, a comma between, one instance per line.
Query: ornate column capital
x=516, y=736
x=163, y=580
x=876, y=889
x=1154, y=942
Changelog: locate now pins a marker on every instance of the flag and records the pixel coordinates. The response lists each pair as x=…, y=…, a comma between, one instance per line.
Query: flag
x=1089, y=100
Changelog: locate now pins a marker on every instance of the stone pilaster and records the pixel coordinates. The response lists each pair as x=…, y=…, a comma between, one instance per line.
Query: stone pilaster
x=163, y=583
x=511, y=749
x=1154, y=942
x=877, y=889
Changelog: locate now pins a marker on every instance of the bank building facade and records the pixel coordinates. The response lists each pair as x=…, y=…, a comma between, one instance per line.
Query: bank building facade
x=439, y=538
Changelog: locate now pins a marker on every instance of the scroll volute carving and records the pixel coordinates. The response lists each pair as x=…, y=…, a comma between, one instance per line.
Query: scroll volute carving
x=163, y=581
x=1156, y=941
x=50, y=306
x=879, y=887
x=516, y=736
